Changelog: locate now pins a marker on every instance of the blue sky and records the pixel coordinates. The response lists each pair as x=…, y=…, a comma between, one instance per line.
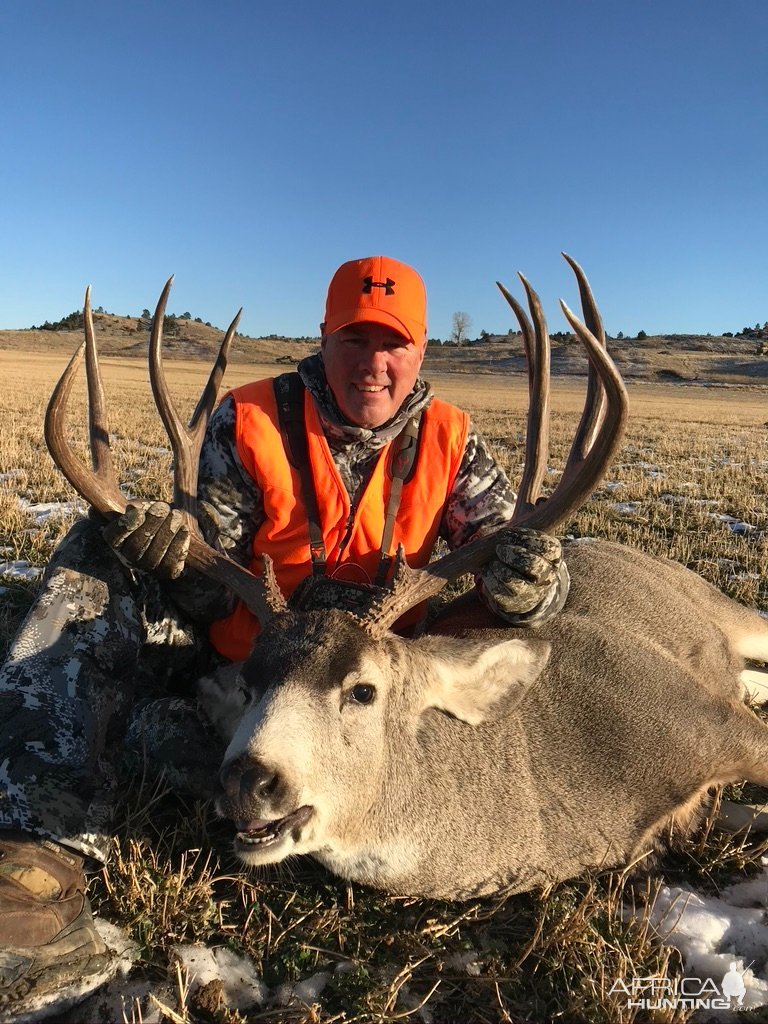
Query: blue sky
x=251, y=147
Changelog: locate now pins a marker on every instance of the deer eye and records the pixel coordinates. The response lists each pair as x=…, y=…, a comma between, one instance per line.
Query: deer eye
x=362, y=694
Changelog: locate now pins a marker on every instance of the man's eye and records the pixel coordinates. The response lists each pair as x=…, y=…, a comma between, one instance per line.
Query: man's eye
x=362, y=694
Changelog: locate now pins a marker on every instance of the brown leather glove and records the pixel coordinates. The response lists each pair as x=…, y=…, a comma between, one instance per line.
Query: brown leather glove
x=151, y=536
x=526, y=581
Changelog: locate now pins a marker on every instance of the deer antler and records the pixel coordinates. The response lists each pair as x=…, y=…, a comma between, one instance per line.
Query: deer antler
x=99, y=485
x=596, y=440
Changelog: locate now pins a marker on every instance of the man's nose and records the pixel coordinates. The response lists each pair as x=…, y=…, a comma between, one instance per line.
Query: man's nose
x=377, y=361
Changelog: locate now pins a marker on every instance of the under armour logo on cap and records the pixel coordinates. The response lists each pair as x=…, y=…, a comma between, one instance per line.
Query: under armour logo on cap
x=369, y=284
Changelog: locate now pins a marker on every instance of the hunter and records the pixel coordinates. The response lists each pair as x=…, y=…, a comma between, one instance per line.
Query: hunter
x=327, y=470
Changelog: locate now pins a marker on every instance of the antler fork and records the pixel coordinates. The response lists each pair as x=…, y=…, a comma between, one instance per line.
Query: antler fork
x=596, y=440
x=99, y=485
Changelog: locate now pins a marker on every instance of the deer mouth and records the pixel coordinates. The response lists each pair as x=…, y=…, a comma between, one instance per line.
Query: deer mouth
x=261, y=836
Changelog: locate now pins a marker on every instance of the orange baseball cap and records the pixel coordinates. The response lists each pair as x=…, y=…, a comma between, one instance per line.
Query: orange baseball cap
x=378, y=290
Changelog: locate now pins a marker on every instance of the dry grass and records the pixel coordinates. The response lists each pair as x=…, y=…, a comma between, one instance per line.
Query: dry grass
x=541, y=956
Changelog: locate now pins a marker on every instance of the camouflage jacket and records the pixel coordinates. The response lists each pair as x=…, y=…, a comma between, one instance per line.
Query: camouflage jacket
x=231, y=506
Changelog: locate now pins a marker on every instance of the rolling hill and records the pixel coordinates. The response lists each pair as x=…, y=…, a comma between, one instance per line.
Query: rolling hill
x=740, y=360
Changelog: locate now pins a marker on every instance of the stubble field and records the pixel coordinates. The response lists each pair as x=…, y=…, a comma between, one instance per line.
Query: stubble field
x=690, y=483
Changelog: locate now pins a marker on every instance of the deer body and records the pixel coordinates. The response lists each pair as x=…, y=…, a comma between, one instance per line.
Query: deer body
x=577, y=747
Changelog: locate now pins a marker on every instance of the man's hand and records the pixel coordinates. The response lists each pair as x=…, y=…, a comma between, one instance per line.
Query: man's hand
x=151, y=536
x=526, y=581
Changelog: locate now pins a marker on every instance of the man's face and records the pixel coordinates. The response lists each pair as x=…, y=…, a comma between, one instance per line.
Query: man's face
x=370, y=369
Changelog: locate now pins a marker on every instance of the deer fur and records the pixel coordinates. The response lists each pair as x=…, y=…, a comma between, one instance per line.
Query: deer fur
x=501, y=758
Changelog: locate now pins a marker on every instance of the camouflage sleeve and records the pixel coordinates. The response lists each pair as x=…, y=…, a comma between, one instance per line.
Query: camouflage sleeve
x=482, y=498
x=230, y=510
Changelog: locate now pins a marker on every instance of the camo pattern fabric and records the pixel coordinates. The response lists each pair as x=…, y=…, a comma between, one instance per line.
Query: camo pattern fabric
x=86, y=667
x=481, y=501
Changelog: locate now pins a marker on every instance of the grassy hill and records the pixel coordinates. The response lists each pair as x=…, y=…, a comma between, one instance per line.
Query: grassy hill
x=677, y=358
x=128, y=336
x=681, y=358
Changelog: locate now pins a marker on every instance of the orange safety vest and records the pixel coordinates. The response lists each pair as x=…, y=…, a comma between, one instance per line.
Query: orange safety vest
x=352, y=545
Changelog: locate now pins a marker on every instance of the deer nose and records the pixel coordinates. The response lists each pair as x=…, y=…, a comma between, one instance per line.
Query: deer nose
x=241, y=780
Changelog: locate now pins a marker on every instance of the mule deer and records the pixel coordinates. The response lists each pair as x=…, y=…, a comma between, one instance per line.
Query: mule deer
x=478, y=756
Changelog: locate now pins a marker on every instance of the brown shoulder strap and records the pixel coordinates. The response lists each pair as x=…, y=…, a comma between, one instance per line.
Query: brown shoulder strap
x=405, y=450
x=289, y=394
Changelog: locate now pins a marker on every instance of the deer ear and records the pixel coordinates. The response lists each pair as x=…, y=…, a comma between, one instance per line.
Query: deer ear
x=469, y=678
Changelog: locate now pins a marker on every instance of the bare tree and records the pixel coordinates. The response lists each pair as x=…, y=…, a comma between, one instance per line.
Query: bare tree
x=460, y=329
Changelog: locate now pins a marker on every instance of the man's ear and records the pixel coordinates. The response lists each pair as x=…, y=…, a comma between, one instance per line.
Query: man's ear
x=466, y=678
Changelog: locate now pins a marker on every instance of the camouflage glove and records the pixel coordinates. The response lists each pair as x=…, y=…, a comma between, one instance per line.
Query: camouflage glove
x=526, y=581
x=150, y=536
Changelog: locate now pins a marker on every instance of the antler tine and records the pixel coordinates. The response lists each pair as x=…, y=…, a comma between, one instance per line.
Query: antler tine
x=186, y=442
x=537, y=428
x=98, y=485
x=98, y=424
x=582, y=475
x=595, y=401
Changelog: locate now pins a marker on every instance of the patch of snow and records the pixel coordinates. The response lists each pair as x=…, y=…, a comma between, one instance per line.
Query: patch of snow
x=242, y=987
x=469, y=962
x=712, y=933
x=753, y=463
x=20, y=570
x=306, y=991
x=120, y=942
x=45, y=510
x=734, y=524
x=12, y=474
x=683, y=499
x=627, y=508
x=139, y=996
x=734, y=570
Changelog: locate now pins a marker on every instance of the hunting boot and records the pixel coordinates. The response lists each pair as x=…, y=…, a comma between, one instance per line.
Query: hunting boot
x=48, y=939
